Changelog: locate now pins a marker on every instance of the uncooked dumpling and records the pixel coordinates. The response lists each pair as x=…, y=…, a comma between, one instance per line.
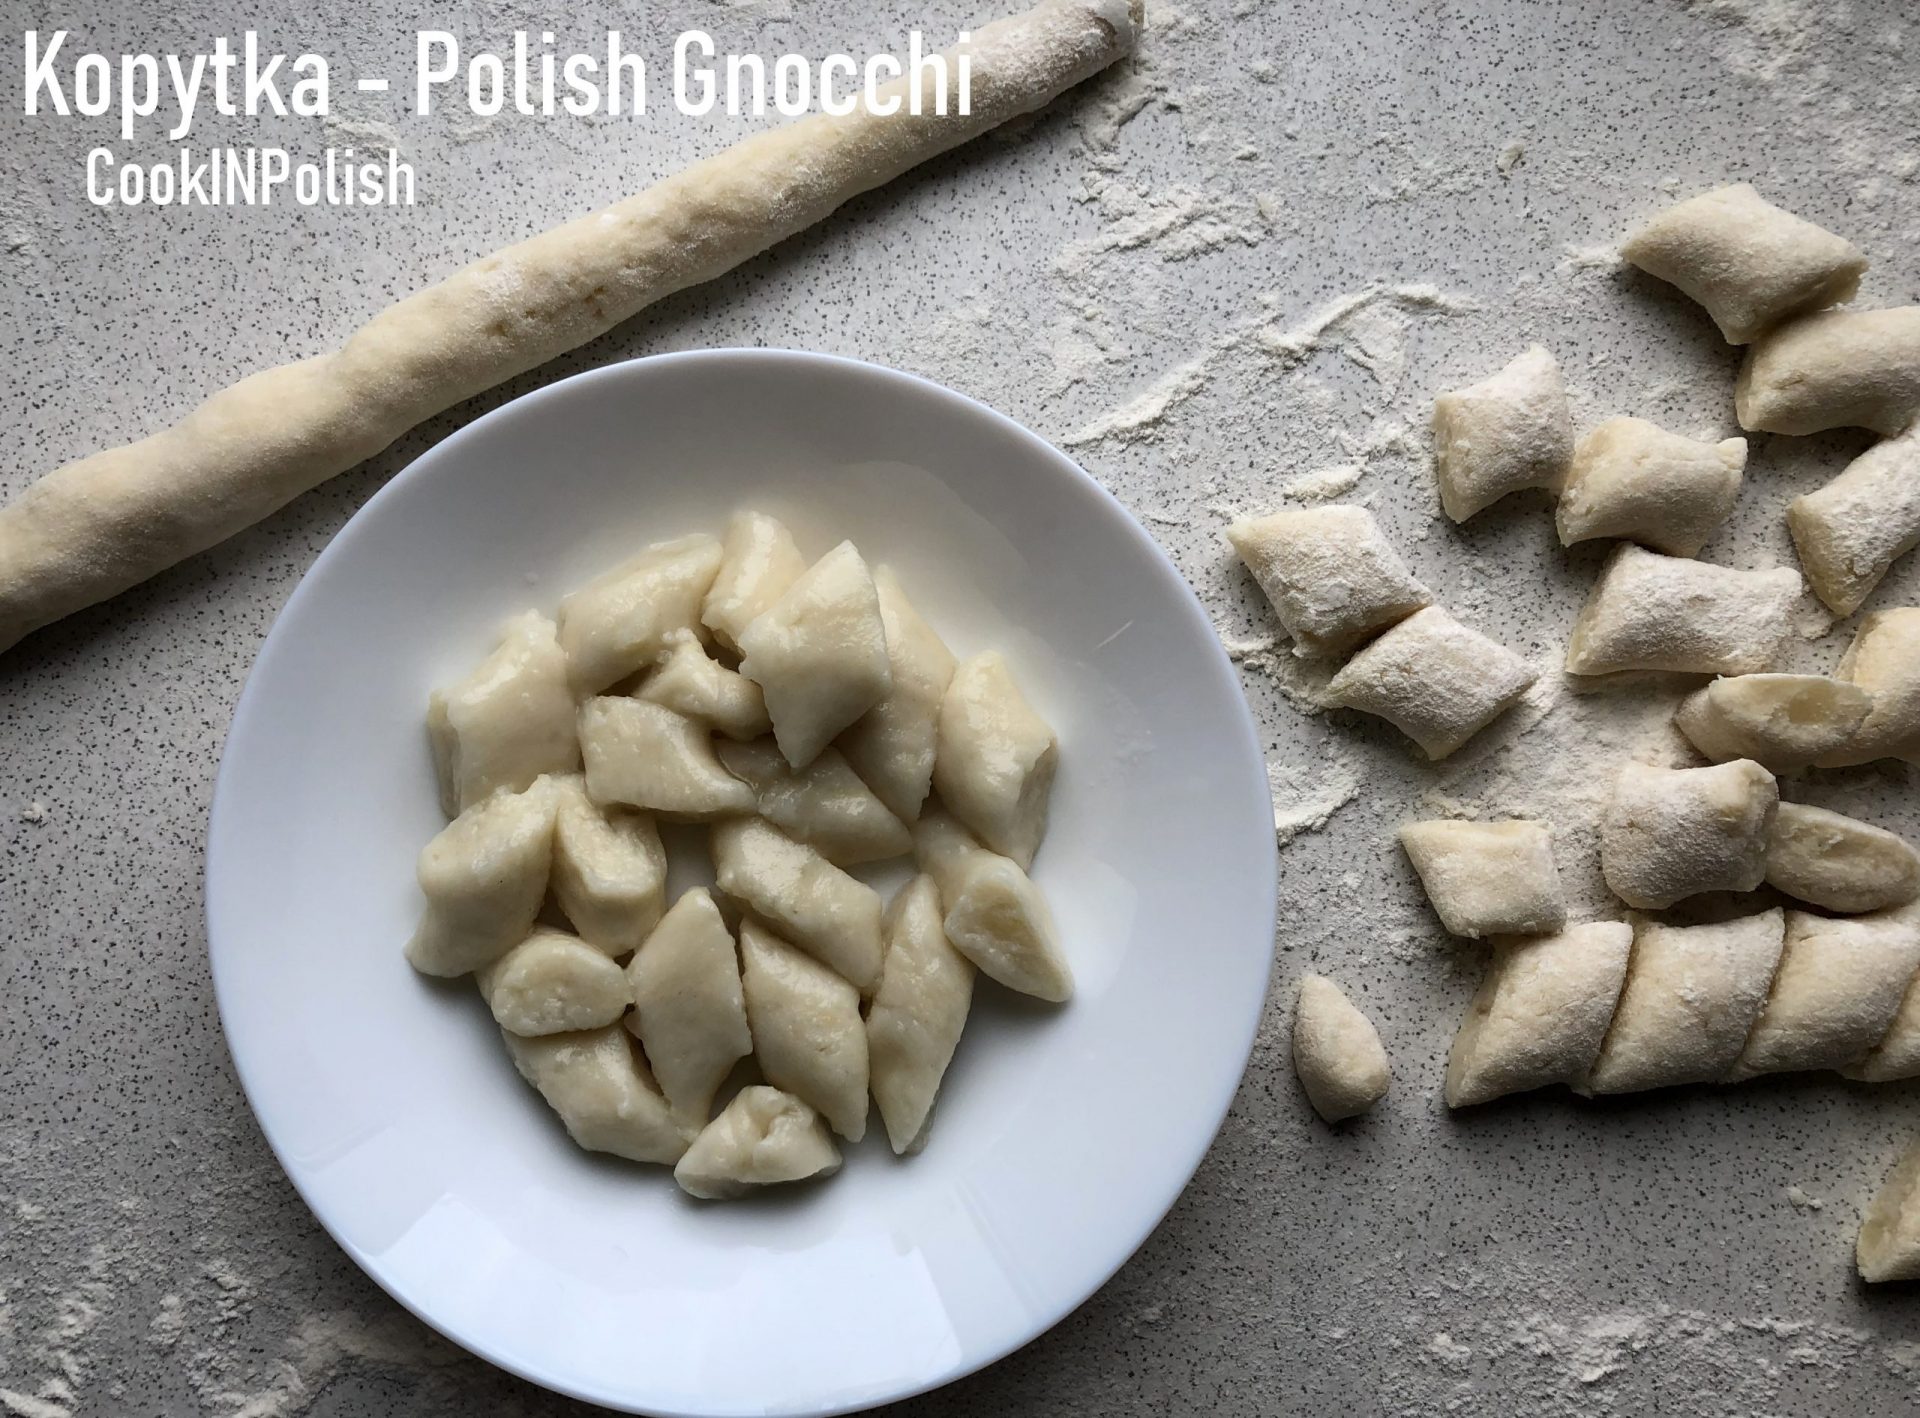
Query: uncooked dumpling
x=688, y=1007
x=508, y=722
x=484, y=877
x=602, y=1091
x=1839, y=863
x=763, y=1138
x=995, y=915
x=891, y=746
x=644, y=755
x=1337, y=1052
x=758, y=562
x=926, y=989
x=1488, y=878
x=810, y=900
x=807, y=1032
x=1781, y=722
x=1889, y=1246
x=609, y=869
x=622, y=621
x=691, y=682
x=995, y=764
x=1671, y=833
x=552, y=983
x=1838, y=989
x=825, y=804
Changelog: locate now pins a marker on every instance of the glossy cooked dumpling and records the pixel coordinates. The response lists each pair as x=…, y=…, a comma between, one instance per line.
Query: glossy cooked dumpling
x=764, y=1137
x=807, y=1032
x=891, y=746
x=602, y=1091
x=995, y=915
x=811, y=901
x=484, y=877
x=644, y=755
x=623, y=620
x=508, y=722
x=553, y=983
x=825, y=804
x=609, y=869
x=688, y=1008
x=758, y=562
x=689, y=681
x=996, y=759
x=913, y=1027
x=1781, y=722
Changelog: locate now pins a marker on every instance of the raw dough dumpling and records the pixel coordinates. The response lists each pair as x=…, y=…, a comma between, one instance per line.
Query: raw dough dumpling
x=819, y=654
x=996, y=759
x=553, y=983
x=810, y=900
x=609, y=869
x=1884, y=660
x=1897, y=1055
x=1330, y=573
x=926, y=989
x=995, y=915
x=1852, y=530
x=1691, y=997
x=689, y=1012
x=1488, y=878
x=1435, y=680
x=825, y=804
x=1782, y=722
x=691, y=682
x=763, y=1138
x=891, y=746
x=1748, y=262
x=807, y=1032
x=1540, y=1013
x=1889, y=1244
x=1510, y=431
x=645, y=755
x=506, y=723
x=1633, y=479
x=623, y=620
x=602, y=1091
x=484, y=877
x=758, y=562
x=1336, y=1052
x=1653, y=612
x=1836, y=369
x=1839, y=863
x=1670, y=833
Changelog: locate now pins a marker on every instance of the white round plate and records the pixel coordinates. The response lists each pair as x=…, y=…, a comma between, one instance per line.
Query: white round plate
x=1063, y=1134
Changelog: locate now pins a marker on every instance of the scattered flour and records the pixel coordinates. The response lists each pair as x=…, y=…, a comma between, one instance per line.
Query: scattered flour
x=1325, y=484
x=34, y=812
x=1306, y=796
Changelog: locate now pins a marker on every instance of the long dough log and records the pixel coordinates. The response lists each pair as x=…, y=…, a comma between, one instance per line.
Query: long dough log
x=91, y=529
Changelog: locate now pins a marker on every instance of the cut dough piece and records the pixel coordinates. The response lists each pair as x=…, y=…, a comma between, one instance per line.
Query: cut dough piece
x=553, y=983
x=1540, y=1013
x=690, y=682
x=807, y=1031
x=824, y=805
x=644, y=755
x=609, y=869
x=626, y=618
x=1850, y=532
x=996, y=759
x=508, y=722
x=1692, y=995
x=688, y=1008
x=1839, y=863
x=1884, y=660
x=1488, y=878
x=996, y=916
x=1782, y=722
x=484, y=877
x=602, y=1091
x=1332, y=577
x=811, y=901
x=1889, y=1245
x=1435, y=680
x=819, y=653
x=1897, y=1055
x=758, y=562
x=1836, y=369
x=1748, y=262
x=1839, y=986
x=762, y=1139
x=1633, y=479
x=1671, y=833
x=926, y=989
x=1653, y=612
x=1336, y=1052
x=892, y=745
x=1510, y=431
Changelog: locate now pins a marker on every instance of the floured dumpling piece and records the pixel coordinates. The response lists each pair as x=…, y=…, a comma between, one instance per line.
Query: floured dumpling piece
x=1838, y=989
x=996, y=759
x=1337, y=1053
x=819, y=654
x=691, y=682
x=1671, y=833
x=644, y=755
x=602, y=1091
x=1510, y=431
x=1750, y=263
x=1836, y=369
x=824, y=805
x=1884, y=660
x=1850, y=532
x=622, y=621
x=995, y=915
x=1540, y=1014
x=688, y=1008
x=803, y=895
x=553, y=983
x=913, y=1027
x=1488, y=878
x=484, y=877
x=609, y=869
x=1635, y=480
x=1330, y=573
x=1889, y=1245
x=758, y=562
x=1782, y=722
x=1839, y=863
x=1897, y=1055
x=1653, y=612
x=891, y=746
x=508, y=722
x=1435, y=680
x=763, y=1138
x=807, y=1032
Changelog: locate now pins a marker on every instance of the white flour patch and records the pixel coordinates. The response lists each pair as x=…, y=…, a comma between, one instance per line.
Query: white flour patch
x=1306, y=796
x=1324, y=484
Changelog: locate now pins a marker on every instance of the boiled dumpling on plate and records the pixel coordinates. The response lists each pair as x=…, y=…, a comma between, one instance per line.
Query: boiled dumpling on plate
x=622, y=621
x=600, y=1087
x=553, y=983
x=926, y=989
x=646, y=756
x=689, y=1012
x=807, y=1032
x=484, y=876
x=763, y=1137
x=825, y=804
x=609, y=869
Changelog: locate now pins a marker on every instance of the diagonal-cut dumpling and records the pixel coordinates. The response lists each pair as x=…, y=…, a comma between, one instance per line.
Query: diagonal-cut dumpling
x=819, y=653
x=553, y=983
x=506, y=723
x=647, y=756
x=763, y=1138
x=811, y=901
x=892, y=745
x=825, y=804
x=688, y=1009
x=926, y=989
x=758, y=562
x=996, y=916
x=609, y=869
x=996, y=759
x=622, y=621
x=689, y=681
x=484, y=876
x=807, y=1032
x=602, y=1091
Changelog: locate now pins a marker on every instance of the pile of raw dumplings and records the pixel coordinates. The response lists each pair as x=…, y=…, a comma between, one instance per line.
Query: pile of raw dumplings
x=810, y=716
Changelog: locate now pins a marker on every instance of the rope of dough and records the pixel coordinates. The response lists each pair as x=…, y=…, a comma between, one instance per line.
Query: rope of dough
x=91, y=529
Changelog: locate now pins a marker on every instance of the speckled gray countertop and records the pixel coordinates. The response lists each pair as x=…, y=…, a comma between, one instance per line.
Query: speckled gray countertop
x=1247, y=261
